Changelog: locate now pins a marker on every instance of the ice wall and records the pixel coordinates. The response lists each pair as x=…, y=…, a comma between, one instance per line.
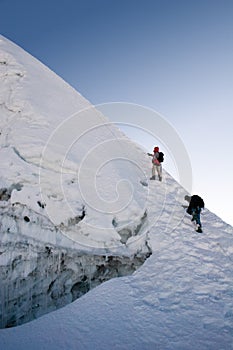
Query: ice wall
x=37, y=278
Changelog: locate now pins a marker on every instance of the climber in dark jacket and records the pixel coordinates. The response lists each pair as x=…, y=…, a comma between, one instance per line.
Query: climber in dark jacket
x=196, y=204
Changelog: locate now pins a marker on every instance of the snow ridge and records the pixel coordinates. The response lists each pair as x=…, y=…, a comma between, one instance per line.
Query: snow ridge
x=74, y=213
x=66, y=177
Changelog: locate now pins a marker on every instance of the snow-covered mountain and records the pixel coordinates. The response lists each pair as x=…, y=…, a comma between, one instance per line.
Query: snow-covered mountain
x=75, y=212
x=62, y=159
x=72, y=207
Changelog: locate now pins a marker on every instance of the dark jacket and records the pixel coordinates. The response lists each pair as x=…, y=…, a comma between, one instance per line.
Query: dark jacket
x=195, y=202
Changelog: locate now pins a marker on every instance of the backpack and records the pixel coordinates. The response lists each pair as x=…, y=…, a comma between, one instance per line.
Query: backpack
x=197, y=201
x=161, y=157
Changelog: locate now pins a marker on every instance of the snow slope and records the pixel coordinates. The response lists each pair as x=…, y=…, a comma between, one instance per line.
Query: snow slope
x=181, y=298
x=72, y=208
x=57, y=150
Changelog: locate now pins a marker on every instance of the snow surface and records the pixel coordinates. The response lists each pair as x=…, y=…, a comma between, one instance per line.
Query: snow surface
x=67, y=156
x=182, y=296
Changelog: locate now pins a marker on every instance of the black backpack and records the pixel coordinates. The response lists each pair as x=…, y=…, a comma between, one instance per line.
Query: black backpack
x=196, y=201
x=161, y=157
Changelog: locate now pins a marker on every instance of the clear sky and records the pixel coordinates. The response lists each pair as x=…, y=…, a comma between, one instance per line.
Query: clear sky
x=172, y=56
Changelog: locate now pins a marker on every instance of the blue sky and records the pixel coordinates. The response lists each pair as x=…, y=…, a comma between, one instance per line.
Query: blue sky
x=173, y=56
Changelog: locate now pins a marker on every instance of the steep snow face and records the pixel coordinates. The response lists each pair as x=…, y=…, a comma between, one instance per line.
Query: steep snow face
x=180, y=298
x=65, y=160
x=73, y=211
